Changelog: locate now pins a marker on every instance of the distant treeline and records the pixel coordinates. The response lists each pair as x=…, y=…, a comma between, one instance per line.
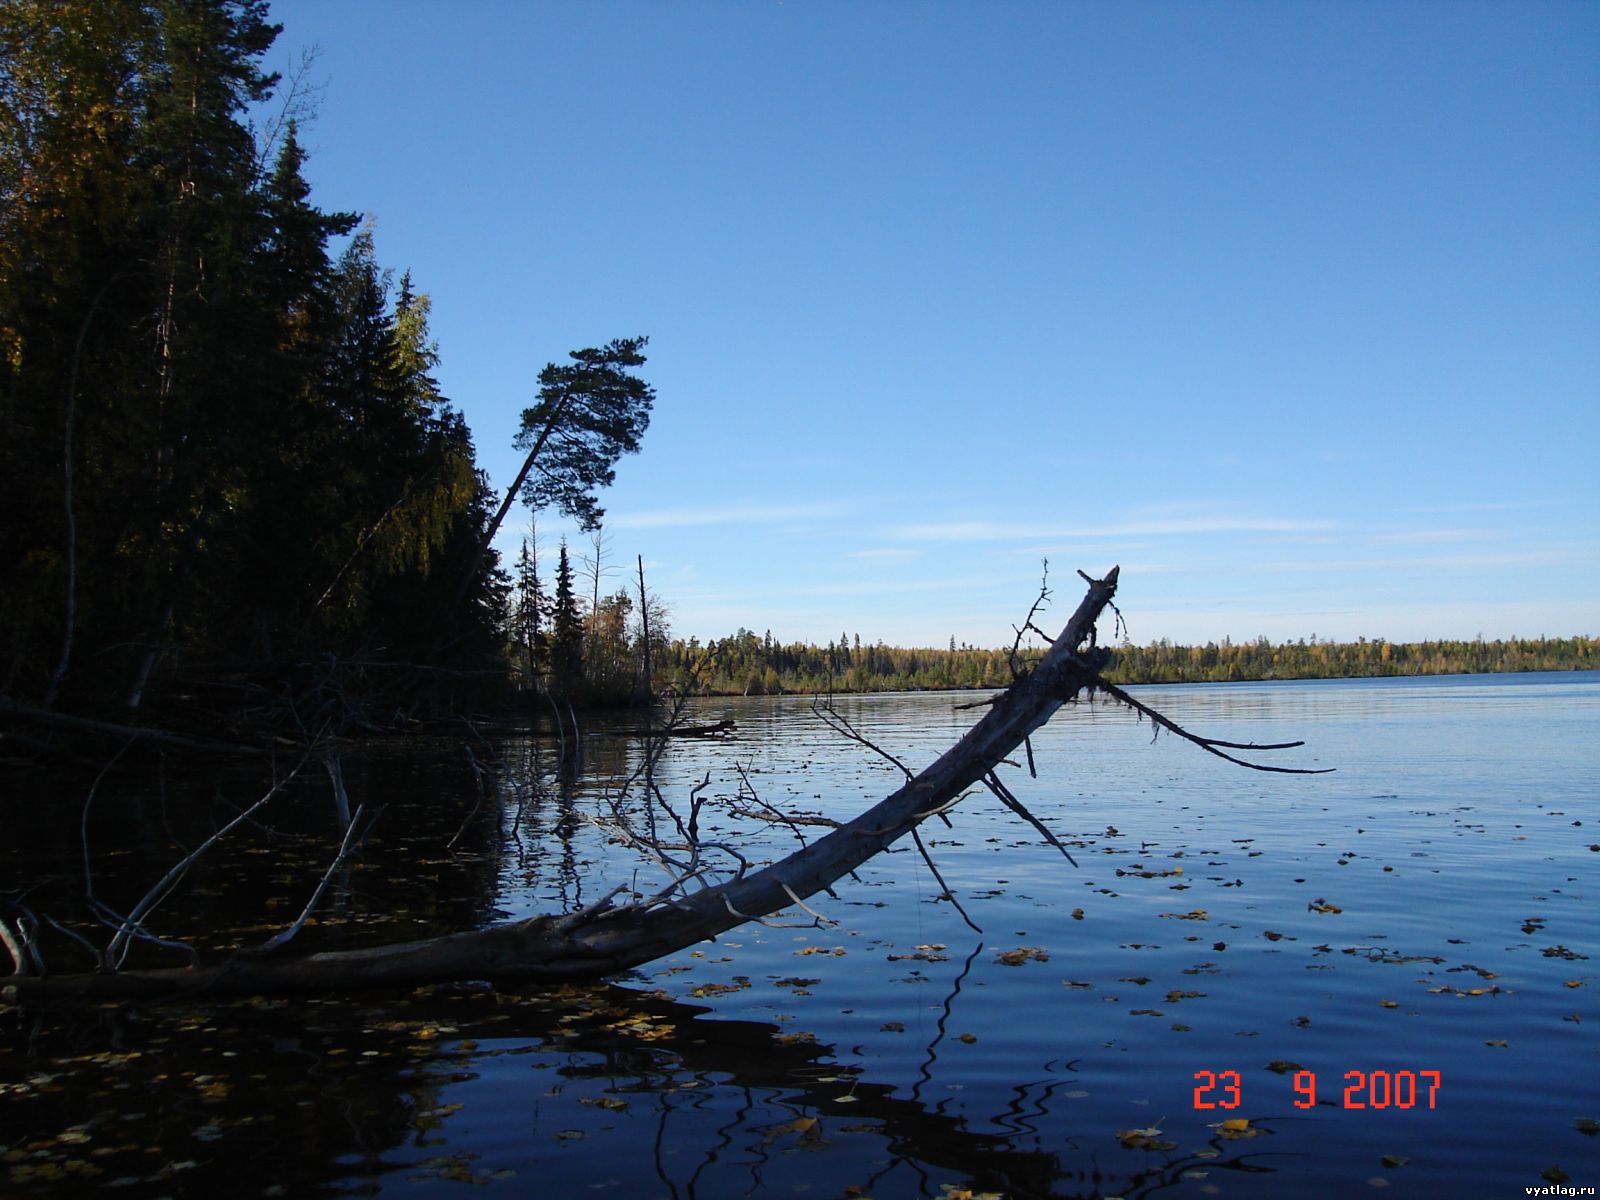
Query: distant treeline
x=748, y=664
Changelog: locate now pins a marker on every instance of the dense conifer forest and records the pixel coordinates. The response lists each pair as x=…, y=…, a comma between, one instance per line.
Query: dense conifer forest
x=232, y=489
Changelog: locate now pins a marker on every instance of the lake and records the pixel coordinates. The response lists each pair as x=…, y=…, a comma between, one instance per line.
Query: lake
x=1249, y=984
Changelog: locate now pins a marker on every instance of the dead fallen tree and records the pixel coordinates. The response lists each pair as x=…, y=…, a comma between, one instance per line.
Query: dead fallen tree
x=677, y=731
x=608, y=937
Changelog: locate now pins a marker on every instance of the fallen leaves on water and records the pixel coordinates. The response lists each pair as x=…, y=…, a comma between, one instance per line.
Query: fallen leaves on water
x=1194, y=914
x=1562, y=952
x=1015, y=958
x=1174, y=996
x=432, y=1118
x=951, y=1191
x=1283, y=1066
x=1554, y=1174
x=1587, y=1125
x=806, y=1127
x=609, y=1103
x=740, y=982
x=1319, y=905
x=1395, y=1160
x=1236, y=1129
x=1145, y=1139
x=922, y=954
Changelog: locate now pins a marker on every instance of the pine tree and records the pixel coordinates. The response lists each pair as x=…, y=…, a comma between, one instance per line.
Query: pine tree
x=566, y=637
x=526, y=616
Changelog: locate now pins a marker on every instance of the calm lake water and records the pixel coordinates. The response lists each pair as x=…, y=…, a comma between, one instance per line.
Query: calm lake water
x=1249, y=985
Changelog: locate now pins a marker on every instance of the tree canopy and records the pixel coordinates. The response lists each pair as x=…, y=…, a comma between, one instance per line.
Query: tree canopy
x=590, y=413
x=224, y=453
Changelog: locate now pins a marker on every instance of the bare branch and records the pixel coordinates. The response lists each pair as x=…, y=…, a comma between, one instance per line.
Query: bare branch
x=354, y=832
x=821, y=920
x=949, y=895
x=1004, y=795
x=19, y=956
x=1042, y=600
x=131, y=925
x=1209, y=745
x=840, y=724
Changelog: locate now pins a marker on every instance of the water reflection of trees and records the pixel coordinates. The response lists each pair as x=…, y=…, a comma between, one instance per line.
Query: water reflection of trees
x=752, y=1077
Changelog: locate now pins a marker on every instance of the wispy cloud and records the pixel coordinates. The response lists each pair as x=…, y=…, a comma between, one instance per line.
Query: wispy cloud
x=1423, y=537
x=1488, y=506
x=885, y=552
x=732, y=514
x=1436, y=562
x=975, y=531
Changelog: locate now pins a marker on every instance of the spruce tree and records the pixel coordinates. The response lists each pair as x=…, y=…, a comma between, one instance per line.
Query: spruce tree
x=566, y=635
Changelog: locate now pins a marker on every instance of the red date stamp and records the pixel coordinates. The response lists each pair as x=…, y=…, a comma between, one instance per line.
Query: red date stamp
x=1362, y=1089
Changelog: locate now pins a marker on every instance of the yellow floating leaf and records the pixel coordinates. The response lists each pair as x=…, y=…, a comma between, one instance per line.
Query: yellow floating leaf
x=805, y=1126
x=1236, y=1129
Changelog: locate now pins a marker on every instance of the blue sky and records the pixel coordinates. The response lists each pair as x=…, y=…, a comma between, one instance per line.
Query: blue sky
x=1293, y=310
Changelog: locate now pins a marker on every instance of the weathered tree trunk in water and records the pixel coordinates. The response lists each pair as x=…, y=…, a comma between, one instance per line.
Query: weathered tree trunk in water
x=607, y=938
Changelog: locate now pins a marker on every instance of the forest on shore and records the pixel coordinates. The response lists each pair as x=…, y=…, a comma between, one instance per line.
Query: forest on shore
x=747, y=664
x=234, y=495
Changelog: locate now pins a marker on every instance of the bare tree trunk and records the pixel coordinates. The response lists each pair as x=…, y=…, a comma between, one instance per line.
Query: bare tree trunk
x=471, y=570
x=644, y=631
x=606, y=938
